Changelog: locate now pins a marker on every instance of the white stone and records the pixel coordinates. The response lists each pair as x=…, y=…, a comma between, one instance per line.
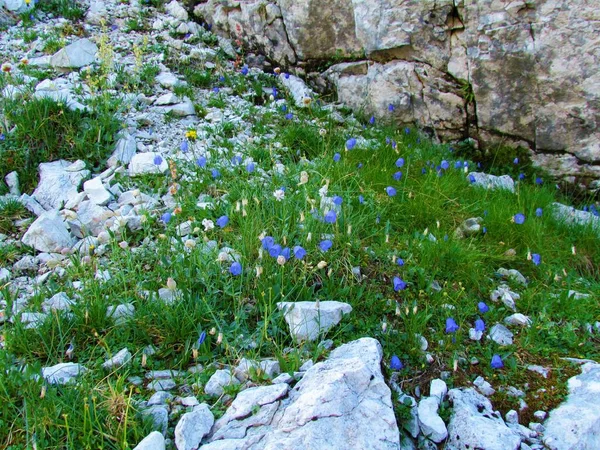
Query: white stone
x=121, y=358
x=192, y=427
x=245, y=367
x=572, y=216
x=159, y=416
x=432, y=425
x=97, y=13
x=308, y=320
x=76, y=55
x=501, y=335
x=514, y=275
x=484, y=387
x=162, y=385
x=298, y=90
x=58, y=302
x=121, y=313
x=160, y=398
x=62, y=373
x=219, y=380
x=48, y=234
x=177, y=11
x=57, y=184
x=475, y=335
x=167, y=99
x=96, y=191
x=438, y=390
x=18, y=6
x=504, y=294
x=125, y=149
x=12, y=181
x=575, y=424
x=474, y=424
x=518, y=319
x=185, y=108
x=491, y=181
x=5, y=275
x=169, y=80
x=144, y=163
x=154, y=441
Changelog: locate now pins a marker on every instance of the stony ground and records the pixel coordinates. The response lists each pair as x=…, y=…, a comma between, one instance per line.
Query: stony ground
x=197, y=251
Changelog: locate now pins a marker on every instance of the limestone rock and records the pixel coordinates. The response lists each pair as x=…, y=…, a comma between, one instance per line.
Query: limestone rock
x=125, y=149
x=121, y=358
x=491, y=181
x=572, y=216
x=432, y=425
x=154, y=441
x=58, y=302
x=146, y=163
x=474, y=424
x=48, y=234
x=575, y=424
x=469, y=227
x=59, y=181
x=298, y=89
x=218, y=381
x=96, y=191
x=308, y=320
x=62, y=373
x=76, y=55
x=501, y=335
x=192, y=427
x=158, y=416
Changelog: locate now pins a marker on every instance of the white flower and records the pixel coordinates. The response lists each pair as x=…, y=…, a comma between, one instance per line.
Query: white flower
x=259, y=271
x=123, y=244
x=171, y=284
x=208, y=224
x=281, y=260
x=279, y=168
x=222, y=257
x=322, y=264
x=323, y=190
x=279, y=194
x=190, y=243
x=322, y=131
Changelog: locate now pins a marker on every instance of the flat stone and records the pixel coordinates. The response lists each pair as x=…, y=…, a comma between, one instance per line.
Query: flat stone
x=167, y=99
x=158, y=416
x=504, y=294
x=575, y=217
x=169, y=80
x=474, y=424
x=62, y=373
x=58, y=302
x=144, y=163
x=575, y=424
x=468, y=228
x=57, y=183
x=125, y=149
x=121, y=358
x=484, y=387
x=514, y=275
x=192, y=427
x=308, y=320
x=518, y=319
x=270, y=368
x=76, y=55
x=162, y=385
x=431, y=424
x=501, y=335
x=154, y=441
x=96, y=191
x=438, y=390
x=219, y=380
x=121, y=313
x=492, y=182
x=160, y=398
x=48, y=234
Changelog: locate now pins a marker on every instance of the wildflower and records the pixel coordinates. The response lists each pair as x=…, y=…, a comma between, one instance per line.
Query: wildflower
x=472, y=178
x=424, y=171
x=303, y=178
x=322, y=265
x=330, y=217
x=497, y=362
x=445, y=164
x=281, y=260
x=259, y=271
x=208, y=224
x=350, y=143
x=483, y=308
x=244, y=70
x=191, y=134
x=399, y=284
x=399, y=162
x=2, y=137
x=395, y=363
x=274, y=250
x=451, y=325
x=250, y=167
x=400, y=261
x=289, y=116
x=372, y=120
x=325, y=245
x=215, y=174
x=390, y=191
x=158, y=160
x=222, y=221
x=521, y=176
x=539, y=212
x=336, y=157
x=361, y=199
x=201, y=162
x=516, y=161
x=189, y=243
x=184, y=147
x=267, y=242
x=236, y=160
x=519, y=218
x=337, y=200
x=235, y=269
x=274, y=92
x=216, y=90
x=279, y=194
x=539, y=181
x=299, y=252
x=536, y=258
x=391, y=107
x=397, y=176
x=407, y=130
x=201, y=339
x=171, y=284
x=6, y=67
x=306, y=101
x=166, y=217
x=394, y=145
x=322, y=132
x=479, y=325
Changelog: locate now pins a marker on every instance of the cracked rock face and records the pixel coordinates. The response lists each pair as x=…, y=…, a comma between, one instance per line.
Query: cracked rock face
x=342, y=402
x=531, y=66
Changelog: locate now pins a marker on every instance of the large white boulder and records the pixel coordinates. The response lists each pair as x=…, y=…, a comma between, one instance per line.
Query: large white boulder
x=308, y=320
x=49, y=234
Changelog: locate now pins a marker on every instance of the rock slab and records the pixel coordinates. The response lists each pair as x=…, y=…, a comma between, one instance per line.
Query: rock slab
x=308, y=320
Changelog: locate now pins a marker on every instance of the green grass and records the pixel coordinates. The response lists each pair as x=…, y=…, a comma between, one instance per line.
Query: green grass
x=43, y=130
x=69, y=9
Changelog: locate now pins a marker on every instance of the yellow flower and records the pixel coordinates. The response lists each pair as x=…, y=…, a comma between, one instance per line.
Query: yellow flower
x=191, y=134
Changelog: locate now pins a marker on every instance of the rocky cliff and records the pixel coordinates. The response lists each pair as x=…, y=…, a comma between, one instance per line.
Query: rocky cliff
x=511, y=72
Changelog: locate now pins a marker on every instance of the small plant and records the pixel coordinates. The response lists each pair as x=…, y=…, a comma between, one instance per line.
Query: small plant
x=69, y=9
